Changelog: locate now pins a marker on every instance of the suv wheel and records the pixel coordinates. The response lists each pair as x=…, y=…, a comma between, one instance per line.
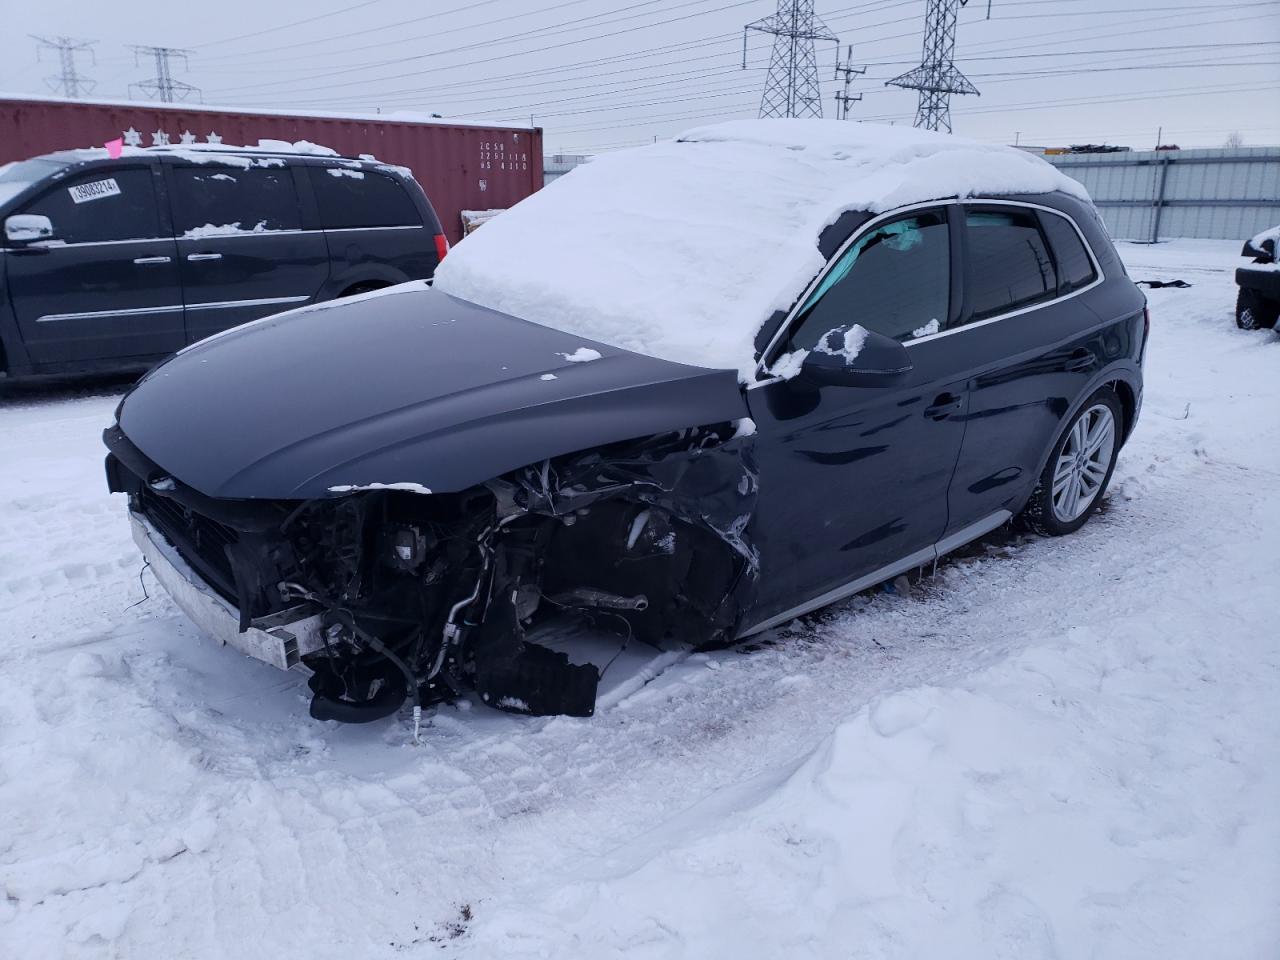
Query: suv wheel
x=1255, y=312
x=1079, y=469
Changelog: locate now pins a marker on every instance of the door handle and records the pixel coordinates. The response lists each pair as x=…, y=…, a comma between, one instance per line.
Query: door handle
x=943, y=406
x=204, y=256
x=1081, y=361
x=141, y=260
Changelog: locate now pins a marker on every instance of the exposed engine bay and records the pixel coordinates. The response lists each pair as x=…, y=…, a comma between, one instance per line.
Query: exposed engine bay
x=422, y=597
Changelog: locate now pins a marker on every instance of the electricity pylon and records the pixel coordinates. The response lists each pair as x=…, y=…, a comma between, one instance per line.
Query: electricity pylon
x=937, y=77
x=162, y=86
x=793, y=88
x=69, y=80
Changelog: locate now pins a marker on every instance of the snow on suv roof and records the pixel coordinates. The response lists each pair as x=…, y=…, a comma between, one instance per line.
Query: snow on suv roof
x=682, y=249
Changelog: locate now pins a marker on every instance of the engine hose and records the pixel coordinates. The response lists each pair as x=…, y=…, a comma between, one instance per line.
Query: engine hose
x=325, y=705
x=387, y=701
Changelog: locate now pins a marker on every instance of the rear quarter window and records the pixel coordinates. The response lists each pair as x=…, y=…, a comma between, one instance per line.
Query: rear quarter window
x=1075, y=268
x=361, y=198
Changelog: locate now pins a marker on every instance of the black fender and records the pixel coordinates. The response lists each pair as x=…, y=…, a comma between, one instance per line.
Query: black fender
x=1125, y=372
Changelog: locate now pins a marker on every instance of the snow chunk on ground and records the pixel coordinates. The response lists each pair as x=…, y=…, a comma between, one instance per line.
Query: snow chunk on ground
x=682, y=249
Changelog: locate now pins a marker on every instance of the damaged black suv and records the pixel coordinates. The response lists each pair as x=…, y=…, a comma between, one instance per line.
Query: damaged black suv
x=395, y=493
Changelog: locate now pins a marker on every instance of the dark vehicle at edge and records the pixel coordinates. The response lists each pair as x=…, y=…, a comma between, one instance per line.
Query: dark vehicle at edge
x=1258, y=299
x=113, y=264
x=426, y=493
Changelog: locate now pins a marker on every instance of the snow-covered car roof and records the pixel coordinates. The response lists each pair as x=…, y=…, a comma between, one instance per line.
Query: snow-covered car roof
x=682, y=249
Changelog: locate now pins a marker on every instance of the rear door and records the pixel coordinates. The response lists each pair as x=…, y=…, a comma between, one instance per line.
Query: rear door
x=107, y=287
x=243, y=250
x=1035, y=343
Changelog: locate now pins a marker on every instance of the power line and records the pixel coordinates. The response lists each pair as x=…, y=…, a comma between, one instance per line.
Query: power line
x=551, y=29
x=432, y=17
x=69, y=80
x=792, y=88
x=295, y=23
x=162, y=86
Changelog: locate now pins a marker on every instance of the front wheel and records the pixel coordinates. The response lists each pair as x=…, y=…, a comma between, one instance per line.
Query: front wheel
x=1254, y=311
x=1079, y=469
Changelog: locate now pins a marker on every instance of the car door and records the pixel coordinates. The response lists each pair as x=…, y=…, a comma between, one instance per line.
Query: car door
x=107, y=286
x=1035, y=345
x=853, y=479
x=243, y=250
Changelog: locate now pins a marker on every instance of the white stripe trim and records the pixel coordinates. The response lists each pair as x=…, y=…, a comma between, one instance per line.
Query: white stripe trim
x=93, y=314
x=259, y=302
x=171, y=308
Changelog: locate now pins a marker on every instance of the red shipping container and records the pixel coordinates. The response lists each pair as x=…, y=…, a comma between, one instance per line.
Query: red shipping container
x=461, y=167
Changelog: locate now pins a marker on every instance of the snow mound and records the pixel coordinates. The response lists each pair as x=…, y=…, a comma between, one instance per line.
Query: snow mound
x=682, y=249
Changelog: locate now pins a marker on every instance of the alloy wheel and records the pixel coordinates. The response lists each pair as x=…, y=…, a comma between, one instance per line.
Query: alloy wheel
x=1083, y=462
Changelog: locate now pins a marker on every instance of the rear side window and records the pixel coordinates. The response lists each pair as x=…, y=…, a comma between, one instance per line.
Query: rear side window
x=213, y=200
x=107, y=204
x=361, y=198
x=1009, y=265
x=894, y=280
x=1075, y=269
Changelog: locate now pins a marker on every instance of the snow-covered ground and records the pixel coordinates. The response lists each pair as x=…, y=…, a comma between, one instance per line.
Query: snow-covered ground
x=1054, y=748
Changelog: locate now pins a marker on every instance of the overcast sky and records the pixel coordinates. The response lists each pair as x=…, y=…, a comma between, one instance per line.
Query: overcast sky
x=598, y=74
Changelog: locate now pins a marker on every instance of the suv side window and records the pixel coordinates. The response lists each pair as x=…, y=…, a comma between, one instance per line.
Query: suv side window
x=1075, y=269
x=894, y=280
x=231, y=200
x=361, y=198
x=105, y=204
x=1009, y=266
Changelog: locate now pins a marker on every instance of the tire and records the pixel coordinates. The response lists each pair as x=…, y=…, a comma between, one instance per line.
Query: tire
x=1254, y=311
x=1099, y=424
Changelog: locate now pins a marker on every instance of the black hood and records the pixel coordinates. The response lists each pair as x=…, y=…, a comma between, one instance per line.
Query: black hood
x=407, y=386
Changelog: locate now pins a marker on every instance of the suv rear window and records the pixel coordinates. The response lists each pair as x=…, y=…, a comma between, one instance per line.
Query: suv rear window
x=1075, y=269
x=361, y=198
x=233, y=200
x=1009, y=264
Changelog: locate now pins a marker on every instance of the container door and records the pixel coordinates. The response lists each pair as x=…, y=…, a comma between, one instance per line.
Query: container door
x=107, y=287
x=243, y=252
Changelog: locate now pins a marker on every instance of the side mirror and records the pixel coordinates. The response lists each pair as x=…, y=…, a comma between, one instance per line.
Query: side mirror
x=855, y=357
x=24, y=228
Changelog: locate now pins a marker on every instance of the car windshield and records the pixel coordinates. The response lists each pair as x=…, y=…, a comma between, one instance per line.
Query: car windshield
x=16, y=177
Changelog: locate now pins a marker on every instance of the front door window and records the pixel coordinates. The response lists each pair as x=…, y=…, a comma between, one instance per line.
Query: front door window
x=894, y=280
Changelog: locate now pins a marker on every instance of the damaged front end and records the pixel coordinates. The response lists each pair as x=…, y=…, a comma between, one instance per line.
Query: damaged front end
x=387, y=595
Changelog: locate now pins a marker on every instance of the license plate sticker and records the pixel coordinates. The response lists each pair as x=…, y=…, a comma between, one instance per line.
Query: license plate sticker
x=95, y=190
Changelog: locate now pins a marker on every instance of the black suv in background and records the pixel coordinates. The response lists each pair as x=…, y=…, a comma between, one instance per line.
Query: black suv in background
x=116, y=263
x=1258, y=302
